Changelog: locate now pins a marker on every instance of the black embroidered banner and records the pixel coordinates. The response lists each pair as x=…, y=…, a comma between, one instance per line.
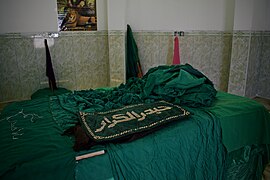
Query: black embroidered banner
x=117, y=123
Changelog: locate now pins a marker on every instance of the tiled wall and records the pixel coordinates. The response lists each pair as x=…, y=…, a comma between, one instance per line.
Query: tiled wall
x=116, y=57
x=239, y=63
x=264, y=77
x=83, y=60
x=253, y=73
x=80, y=61
x=250, y=64
x=207, y=51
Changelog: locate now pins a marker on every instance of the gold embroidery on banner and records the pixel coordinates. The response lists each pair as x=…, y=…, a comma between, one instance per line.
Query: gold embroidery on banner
x=103, y=123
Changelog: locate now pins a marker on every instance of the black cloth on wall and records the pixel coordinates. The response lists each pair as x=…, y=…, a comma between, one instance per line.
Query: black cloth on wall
x=49, y=68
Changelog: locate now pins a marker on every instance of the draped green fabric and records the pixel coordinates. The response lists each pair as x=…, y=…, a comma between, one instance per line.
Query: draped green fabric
x=40, y=152
x=179, y=84
x=246, y=163
x=245, y=121
x=191, y=149
x=33, y=147
x=185, y=146
x=47, y=92
x=31, y=143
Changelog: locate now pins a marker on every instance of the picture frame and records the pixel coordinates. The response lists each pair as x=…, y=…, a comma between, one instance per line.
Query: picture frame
x=77, y=15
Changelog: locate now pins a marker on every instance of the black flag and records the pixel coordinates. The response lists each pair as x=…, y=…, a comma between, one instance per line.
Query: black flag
x=49, y=68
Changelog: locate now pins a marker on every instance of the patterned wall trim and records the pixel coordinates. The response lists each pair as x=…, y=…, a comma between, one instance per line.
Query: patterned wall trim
x=208, y=33
x=116, y=33
x=266, y=33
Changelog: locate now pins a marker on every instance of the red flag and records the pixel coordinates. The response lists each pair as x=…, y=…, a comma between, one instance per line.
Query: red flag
x=176, y=53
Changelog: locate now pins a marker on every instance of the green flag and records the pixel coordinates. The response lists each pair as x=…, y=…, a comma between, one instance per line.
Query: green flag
x=133, y=66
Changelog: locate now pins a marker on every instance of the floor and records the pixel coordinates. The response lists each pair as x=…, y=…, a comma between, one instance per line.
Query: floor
x=2, y=105
x=264, y=101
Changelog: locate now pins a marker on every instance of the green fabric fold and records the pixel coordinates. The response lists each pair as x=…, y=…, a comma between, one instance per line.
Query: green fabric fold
x=32, y=142
x=179, y=84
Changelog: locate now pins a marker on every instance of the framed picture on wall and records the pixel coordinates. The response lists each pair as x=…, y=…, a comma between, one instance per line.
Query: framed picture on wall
x=77, y=15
